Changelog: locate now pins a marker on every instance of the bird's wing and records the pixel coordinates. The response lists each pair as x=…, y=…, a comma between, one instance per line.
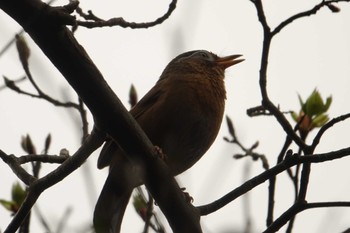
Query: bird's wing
x=117, y=189
x=147, y=101
x=110, y=148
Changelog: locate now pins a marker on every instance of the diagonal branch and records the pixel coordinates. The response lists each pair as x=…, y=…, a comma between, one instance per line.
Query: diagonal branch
x=268, y=174
x=47, y=28
x=324, y=128
x=307, y=13
x=299, y=207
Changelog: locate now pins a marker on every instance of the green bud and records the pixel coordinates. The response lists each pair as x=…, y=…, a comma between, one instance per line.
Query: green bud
x=18, y=194
x=319, y=121
x=9, y=205
x=315, y=106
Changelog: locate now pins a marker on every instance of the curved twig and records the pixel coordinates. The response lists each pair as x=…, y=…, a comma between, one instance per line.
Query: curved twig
x=95, y=21
x=264, y=176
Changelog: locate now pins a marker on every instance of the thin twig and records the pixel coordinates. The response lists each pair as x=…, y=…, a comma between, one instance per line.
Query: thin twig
x=299, y=207
x=42, y=158
x=307, y=13
x=248, y=151
x=119, y=21
x=328, y=125
x=279, y=168
x=36, y=187
x=13, y=163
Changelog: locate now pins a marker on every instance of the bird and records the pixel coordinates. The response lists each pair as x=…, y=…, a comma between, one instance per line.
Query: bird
x=181, y=115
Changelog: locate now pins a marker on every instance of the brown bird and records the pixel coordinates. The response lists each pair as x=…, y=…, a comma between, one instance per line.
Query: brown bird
x=181, y=114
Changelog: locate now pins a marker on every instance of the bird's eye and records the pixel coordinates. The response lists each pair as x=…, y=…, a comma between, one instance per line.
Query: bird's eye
x=204, y=55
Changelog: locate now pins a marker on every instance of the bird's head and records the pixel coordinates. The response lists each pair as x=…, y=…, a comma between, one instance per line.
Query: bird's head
x=202, y=62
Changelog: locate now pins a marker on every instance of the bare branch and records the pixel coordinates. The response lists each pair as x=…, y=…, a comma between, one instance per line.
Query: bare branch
x=299, y=207
x=37, y=186
x=14, y=164
x=279, y=168
x=307, y=13
x=42, y=158
x=324, y=128
x=119, y=21
x=110, y=115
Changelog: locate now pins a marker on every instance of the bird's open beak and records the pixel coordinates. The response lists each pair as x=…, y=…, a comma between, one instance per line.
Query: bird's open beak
x=228, y=61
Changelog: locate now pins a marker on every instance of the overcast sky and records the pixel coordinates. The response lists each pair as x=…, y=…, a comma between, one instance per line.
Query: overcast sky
x=310, y=53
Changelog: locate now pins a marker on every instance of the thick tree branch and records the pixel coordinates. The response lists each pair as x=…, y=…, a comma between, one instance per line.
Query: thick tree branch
x=46, y=26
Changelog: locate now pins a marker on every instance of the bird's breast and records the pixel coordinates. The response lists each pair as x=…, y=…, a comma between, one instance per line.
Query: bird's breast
x=193, y=112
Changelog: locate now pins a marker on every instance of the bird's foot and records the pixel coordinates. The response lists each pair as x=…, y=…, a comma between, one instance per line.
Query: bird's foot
x=187, y=196
x=160, y=153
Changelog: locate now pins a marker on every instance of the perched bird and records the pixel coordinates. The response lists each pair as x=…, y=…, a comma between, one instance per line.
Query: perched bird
x=181, y=114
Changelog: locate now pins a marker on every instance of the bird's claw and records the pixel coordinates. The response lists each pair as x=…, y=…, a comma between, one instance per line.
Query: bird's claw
x=187, y=196
x=159, y=152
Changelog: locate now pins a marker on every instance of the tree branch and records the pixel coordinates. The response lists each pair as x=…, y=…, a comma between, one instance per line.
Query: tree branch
x=268, y=174
x=98, y=22
x=307, y=13
x=37, y=186
x=299, y=207
x=47, y=28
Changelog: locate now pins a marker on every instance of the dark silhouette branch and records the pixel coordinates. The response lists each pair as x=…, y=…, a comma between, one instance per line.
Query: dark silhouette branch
x=299, y=207
x=15, y=165
x=41, y=158
x=94, y=21
x=307, y=13
x=247, y=151
x=37, y=186
x=327, y=126
x=46, y=25
x=288, y=162
x=267, y=104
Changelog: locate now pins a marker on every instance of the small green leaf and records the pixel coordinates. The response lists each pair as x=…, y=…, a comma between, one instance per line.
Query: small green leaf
x=18, y=194
x=139, y=202
x=319, y=121
x=313, y=112
x=7, y=204
x=295, y=116
x=328, y=103
x=302, y=104
x=140, y=206
x=314, y=104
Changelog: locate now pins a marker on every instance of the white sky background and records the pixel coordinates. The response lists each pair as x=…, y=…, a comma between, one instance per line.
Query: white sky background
x=311, y=52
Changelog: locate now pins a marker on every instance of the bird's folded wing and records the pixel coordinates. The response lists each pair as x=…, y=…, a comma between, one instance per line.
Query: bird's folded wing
x=110, y=148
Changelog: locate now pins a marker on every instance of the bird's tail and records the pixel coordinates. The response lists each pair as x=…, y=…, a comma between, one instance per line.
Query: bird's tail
x=112, y=202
